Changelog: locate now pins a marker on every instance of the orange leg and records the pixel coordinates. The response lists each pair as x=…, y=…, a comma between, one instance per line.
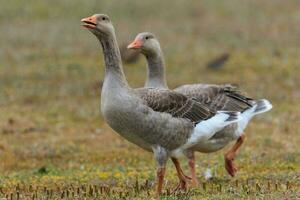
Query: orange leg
x=182, y=177
x=160, y=174
x=192, y=165
x=231, y=154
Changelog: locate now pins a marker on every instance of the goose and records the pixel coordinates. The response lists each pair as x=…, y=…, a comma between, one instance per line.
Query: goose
x=216, y=97
x=157, y=120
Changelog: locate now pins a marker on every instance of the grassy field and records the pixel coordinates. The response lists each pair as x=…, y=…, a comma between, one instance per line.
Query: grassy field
x=54, y=143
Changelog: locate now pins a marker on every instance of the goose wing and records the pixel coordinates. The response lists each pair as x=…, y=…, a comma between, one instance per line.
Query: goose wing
x=217, y=97
x=176, y=104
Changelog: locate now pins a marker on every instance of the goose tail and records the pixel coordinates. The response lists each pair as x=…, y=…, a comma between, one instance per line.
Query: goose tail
x=262, y=105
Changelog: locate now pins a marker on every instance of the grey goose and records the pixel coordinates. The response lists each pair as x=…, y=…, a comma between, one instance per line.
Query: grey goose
x=158, y=120
x=216, y=97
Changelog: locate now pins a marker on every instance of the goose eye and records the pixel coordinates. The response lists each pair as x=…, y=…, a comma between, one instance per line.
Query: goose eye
x=147, y=38
x=103, y=18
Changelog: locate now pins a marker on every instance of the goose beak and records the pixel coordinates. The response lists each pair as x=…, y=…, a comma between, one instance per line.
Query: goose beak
x=89, y=22
x=136, y=44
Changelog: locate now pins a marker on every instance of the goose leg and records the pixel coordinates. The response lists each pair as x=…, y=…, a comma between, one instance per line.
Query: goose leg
x=160, y=174
x=231, y=154
x=161, y=157
x=182, y=177
x=192, y=165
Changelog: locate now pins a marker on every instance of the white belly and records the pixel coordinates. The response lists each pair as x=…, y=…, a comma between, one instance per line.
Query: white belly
x=212, y=145
x=219, y=140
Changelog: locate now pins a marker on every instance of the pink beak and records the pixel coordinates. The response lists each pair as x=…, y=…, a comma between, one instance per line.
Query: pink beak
x=89, y=22
x=136, y=44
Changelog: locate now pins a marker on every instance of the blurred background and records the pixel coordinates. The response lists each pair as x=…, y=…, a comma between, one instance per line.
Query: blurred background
x=51, y=70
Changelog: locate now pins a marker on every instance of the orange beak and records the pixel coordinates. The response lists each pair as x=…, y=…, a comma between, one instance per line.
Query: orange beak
x=136, y=44
x=89, y=22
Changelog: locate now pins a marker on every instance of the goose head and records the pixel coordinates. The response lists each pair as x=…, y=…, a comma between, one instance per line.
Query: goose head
x=99, y=24
x=147, y=43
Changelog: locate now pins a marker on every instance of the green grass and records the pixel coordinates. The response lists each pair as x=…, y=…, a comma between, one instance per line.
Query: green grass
x=51, y=129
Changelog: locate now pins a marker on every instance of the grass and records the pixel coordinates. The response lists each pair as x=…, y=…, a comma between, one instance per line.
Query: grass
x=54, y=139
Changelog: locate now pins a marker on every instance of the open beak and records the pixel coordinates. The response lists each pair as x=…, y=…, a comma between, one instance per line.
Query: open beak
x=136, y=44
x=89, y=22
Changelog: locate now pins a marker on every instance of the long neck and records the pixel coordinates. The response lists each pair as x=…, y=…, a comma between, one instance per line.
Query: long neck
x=114, y=75
x=156, y=71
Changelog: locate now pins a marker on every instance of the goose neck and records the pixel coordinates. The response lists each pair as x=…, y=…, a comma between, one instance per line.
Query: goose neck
x=113, y=64
x=156, y=71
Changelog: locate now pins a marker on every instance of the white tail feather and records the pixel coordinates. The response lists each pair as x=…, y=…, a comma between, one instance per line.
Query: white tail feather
x=261, y=106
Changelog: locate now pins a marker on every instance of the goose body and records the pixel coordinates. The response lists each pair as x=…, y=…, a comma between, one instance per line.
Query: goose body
x=158, y=120
x=216, y=97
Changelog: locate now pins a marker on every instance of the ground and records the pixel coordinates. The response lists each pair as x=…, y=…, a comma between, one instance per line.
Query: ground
x=54, y=141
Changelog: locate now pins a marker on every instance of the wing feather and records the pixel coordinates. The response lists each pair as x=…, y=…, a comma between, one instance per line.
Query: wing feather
x=217, y=97
x=176, y=104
